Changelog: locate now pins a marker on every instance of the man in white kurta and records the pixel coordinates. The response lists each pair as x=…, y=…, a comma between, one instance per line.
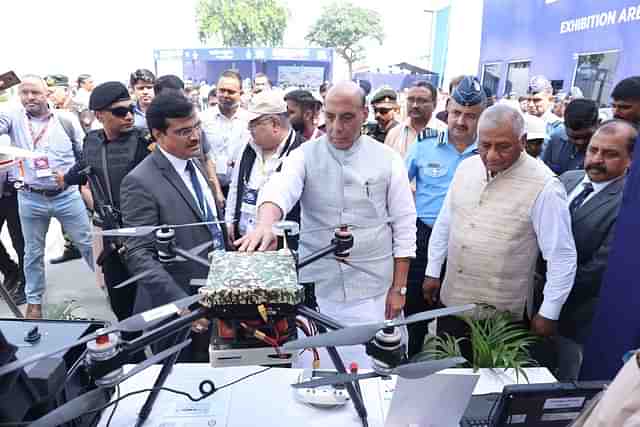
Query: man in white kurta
x=503, y=208
x=344, y=177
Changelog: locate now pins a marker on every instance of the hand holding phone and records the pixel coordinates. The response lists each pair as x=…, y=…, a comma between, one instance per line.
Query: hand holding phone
x=8, y=80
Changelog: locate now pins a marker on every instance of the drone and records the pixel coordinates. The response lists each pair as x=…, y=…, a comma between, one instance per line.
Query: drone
x=253, y=324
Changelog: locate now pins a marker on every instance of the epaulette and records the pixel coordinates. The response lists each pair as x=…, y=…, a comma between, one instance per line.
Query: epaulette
x=427, y=133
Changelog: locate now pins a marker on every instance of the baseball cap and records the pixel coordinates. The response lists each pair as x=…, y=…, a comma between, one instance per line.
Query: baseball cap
x=266, y=102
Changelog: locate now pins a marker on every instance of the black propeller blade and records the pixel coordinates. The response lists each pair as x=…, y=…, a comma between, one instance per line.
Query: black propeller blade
x=134, y=323
x=90, y=400
x=407, y=370
x=361, y=334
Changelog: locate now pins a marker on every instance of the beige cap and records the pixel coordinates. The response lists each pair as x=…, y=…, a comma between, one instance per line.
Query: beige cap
x=266, y=102
x=536, y=127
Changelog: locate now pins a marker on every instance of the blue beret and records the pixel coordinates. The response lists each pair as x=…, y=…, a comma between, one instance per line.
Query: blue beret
x=469, y=92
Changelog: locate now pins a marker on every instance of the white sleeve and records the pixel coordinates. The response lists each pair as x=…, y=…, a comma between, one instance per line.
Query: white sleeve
x=401, y=207
x=284, y=188
x=439, y=240
x=552, y=224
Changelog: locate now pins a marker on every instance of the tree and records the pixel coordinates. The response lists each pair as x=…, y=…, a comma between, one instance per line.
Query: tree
x=344, y=26
x=242, y=23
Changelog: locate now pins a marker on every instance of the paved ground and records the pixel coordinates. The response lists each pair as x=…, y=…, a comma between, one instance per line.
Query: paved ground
x=72, y=280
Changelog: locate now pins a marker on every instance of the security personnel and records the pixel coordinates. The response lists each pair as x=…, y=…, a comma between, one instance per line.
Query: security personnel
x=108, y=156
x=432, y=162
x=384, y=104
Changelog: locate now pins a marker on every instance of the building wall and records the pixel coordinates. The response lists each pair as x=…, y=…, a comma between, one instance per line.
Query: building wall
x=553, y=34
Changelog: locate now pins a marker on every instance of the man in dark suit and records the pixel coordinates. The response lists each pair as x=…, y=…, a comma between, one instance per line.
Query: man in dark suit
x=594, y=197
x=169, y=187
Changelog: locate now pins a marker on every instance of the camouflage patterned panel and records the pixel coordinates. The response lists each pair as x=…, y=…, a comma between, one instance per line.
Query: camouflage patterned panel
x=255, y=278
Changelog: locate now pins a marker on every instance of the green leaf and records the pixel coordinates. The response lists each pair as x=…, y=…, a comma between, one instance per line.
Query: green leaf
x=242, y=23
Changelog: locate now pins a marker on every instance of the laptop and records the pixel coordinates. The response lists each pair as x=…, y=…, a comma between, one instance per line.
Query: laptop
x=531, y=405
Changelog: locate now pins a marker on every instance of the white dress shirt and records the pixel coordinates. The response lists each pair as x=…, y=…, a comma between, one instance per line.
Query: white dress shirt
x=285, y=189
x=552, y=224
x=227, y=137
x=180, y=165
x=597, y=187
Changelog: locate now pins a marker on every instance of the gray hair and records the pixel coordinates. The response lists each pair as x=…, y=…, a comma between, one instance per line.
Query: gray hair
x=500, y=114
x=34, y=77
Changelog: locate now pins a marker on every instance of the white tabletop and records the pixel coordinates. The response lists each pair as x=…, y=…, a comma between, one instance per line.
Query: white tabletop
x=267, y=399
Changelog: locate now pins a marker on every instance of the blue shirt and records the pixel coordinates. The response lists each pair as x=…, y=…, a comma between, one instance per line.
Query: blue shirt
x=561, y=155
x=54, y=144
x=139, y=118
x=432, y=161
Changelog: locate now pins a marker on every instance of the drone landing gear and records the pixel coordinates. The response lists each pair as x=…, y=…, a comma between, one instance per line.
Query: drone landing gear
x=353, y=387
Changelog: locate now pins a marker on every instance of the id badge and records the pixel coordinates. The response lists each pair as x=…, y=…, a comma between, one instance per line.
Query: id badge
x=249, y=200
x=221, y=164
x=41, y=166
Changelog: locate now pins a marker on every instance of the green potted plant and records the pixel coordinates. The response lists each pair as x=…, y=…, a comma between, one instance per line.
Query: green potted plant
x=496, y=341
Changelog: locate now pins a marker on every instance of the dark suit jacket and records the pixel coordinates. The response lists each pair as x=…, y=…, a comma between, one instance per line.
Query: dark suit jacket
x=593, y=226
x=561, y=155
x=153, y=194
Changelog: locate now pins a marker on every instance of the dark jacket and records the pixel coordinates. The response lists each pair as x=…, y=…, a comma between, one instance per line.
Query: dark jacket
x=154, y=194
x=247, y=159
x=561, y=155
x=119, y=156
x=593, y=226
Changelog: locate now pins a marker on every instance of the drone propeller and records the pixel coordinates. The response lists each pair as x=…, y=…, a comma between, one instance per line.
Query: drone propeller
x=146, y=229
x=90, y=400
x=131, y=280
x=361, y=334
x=407, y=370
x=134, y=323
x=20, y=152
x=375, y=223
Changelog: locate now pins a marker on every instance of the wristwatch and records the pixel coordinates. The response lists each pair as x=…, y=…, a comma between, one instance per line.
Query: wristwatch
x=402, y=290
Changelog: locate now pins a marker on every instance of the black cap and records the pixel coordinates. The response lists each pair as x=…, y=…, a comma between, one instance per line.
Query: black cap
x=385, y=98
x=303, y=98
x=469, y=92
x=106, y=94
x=57, y=80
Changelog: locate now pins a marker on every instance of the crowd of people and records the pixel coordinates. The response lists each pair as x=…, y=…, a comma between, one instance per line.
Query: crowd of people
x=510, y=204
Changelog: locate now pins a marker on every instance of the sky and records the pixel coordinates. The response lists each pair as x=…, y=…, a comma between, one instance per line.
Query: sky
x=109, y=39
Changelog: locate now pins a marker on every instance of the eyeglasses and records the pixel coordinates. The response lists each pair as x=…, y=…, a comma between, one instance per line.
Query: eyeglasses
x=122, y=111
x=382, y=110
x=187, y=132
x=253, y=124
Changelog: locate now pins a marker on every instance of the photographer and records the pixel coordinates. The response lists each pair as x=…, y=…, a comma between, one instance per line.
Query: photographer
x=108, y=155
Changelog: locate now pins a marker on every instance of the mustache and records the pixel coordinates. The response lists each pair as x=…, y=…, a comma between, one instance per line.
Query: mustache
x=597, y=168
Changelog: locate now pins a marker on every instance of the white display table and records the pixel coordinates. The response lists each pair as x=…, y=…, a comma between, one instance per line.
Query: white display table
x=267, y=399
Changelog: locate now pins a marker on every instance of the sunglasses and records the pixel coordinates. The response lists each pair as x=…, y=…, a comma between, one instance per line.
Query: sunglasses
x=121, y=111
x=382, y=110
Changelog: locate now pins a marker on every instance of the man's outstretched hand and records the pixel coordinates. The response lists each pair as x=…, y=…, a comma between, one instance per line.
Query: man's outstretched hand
x=260, y=239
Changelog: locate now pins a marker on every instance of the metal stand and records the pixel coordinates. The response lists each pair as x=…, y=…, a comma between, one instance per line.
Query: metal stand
x=10, y=302
x=353, y=387
x=167, y=366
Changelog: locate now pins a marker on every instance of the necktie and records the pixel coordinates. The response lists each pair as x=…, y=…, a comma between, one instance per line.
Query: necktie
x=580, y=198
x=216, y=234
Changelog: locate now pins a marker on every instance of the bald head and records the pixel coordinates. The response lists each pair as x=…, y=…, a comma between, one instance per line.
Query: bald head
x=348, y=89
x=33, y=95
x=501, y=137
x=345, y=112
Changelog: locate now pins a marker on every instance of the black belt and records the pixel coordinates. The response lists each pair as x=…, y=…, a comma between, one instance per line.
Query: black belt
x=45, y=193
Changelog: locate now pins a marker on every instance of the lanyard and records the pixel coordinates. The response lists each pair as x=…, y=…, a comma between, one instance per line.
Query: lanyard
x=36, y=138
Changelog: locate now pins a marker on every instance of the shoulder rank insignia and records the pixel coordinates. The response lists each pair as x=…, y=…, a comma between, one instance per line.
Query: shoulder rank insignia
x=427, y=133
x=151, y=147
